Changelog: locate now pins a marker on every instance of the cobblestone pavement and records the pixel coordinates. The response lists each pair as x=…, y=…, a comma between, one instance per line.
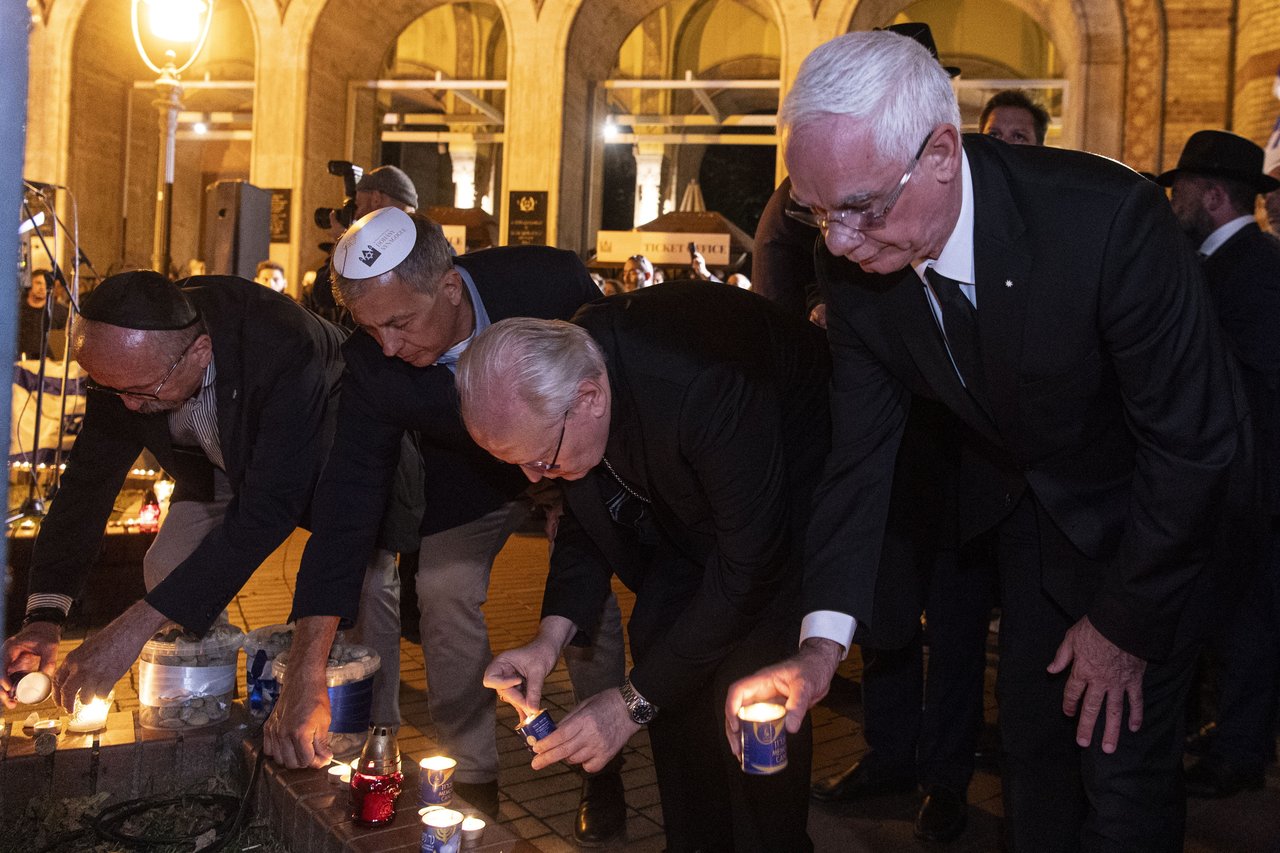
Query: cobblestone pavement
x=540, y=806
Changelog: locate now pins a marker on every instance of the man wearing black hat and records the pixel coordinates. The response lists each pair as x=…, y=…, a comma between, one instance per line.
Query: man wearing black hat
x=418, y=309
x=233, y=388
x=1214, y=189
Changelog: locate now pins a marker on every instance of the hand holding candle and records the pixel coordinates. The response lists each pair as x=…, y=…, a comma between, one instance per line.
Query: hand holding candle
x=518, y=674
x=33, y=649
x=802, y=680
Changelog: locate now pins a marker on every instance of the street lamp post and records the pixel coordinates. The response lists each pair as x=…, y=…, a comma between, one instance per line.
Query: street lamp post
x=176, y=32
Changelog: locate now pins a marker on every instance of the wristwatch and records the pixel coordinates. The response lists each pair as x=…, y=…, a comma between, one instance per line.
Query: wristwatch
x=639, y=709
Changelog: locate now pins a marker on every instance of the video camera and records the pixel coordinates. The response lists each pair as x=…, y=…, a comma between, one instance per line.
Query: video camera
x=350, y=174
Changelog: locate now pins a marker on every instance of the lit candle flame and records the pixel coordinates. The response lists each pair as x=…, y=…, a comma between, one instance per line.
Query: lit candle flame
x=89, y=716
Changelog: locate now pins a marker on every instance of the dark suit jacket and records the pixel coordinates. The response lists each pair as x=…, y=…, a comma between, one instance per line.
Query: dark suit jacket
x=720, y=417
x=1244, y=285
x=383, y=397
x=782, y=264
x=277, y=367
x=1110, y=393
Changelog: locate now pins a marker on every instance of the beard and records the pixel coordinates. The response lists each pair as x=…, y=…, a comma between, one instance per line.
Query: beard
x=1196, y=224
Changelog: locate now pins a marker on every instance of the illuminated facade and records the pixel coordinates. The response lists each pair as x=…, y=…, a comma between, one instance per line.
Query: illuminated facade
x=483, y=100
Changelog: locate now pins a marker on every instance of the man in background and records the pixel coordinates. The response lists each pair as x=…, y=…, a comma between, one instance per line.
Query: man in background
x=1012, y=116
x=1215, y=188
x=271, y=274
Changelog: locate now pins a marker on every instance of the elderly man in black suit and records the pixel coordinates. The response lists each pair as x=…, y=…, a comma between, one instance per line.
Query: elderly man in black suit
x=233, y=388
x=418, y=309
x=1214, y=189
x=690, y=459
x=1048, y=299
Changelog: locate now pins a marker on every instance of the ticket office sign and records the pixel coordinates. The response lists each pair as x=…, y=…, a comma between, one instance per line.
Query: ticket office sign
x=663, y=248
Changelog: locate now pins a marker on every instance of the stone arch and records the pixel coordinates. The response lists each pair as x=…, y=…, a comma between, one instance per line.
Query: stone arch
x=333, y=58
x=83, y=65
x=591, y=43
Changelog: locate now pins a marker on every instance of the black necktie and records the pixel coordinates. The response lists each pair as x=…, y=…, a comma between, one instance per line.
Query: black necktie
x=960, y=328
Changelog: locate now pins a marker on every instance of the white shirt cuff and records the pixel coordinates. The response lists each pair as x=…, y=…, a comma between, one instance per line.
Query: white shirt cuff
x=829, y=625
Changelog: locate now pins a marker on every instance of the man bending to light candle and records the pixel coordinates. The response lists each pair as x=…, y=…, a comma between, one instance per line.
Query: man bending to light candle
x=689, y=459
x=233, y=388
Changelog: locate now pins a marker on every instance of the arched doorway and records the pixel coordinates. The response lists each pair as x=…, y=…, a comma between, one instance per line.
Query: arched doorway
x=113, y=142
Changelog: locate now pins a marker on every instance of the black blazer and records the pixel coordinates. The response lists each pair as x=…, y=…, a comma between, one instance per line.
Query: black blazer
x=1110, y=393
x=383, y=397
x=277, y=368
x=720, y=417
x=1243, y=276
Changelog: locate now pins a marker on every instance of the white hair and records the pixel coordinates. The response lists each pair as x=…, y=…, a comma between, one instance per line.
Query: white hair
x=887, y=81
x=539, y=362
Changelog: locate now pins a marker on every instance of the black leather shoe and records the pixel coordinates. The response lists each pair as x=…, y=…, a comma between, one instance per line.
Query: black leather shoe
x=943, y=814
x=1213, y=778
x=602, y=811
x=861, y=780
x=482, y=795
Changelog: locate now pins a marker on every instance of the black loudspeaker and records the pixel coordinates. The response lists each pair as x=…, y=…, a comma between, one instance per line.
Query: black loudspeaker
x=237, y=228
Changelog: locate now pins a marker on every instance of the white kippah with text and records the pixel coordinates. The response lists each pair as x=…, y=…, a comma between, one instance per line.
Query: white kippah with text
x=374, y=244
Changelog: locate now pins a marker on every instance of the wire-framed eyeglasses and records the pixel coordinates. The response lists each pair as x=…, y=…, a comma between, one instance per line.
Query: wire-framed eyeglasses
x=855, y=218
x=552, y=466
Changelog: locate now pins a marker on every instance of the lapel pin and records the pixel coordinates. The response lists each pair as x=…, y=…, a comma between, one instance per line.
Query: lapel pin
x=1008, y=282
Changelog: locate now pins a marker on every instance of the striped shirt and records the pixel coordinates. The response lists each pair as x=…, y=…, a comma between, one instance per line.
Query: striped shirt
x=195, y=422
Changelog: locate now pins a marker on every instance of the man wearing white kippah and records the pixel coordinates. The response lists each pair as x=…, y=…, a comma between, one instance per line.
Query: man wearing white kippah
x=418, y=308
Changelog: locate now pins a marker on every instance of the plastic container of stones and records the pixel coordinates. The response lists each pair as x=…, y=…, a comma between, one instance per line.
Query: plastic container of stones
x=186, y=681
x=261, y=647
x=349, y=676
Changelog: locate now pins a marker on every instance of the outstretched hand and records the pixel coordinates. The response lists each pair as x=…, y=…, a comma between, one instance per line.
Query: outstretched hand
x=32, y=649
x=802, y=680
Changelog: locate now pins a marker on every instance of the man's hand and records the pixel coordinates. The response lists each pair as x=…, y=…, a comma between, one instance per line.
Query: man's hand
x=802, y=680
x=518, y=674
x=590, y=734
x=94, y=668
x=818, y=316
x=297, y=732
x=1103, y=674
x=33, y=648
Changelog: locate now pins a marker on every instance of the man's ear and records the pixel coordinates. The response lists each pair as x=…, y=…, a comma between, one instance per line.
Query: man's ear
x=593, y=393
x=452, y=286
x=202, y=350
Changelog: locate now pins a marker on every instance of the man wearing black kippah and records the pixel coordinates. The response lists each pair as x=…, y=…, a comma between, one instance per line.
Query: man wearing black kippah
x=233, y=388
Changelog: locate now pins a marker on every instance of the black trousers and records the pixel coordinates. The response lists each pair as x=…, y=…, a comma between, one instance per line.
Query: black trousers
x=928, y=723
x=1247, y=647
x=1058, y=796
x=708, y=803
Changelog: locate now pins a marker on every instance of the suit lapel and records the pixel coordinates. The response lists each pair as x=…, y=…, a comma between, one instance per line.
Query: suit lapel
x=1002, y=267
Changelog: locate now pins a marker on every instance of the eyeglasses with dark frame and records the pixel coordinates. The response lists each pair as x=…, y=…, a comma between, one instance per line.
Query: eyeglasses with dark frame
x=552, y=466
x=855, y=219
x=143, y=395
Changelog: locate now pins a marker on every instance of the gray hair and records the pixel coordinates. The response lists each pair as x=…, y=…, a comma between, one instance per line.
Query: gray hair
x=539, y=362
x=887, y=81
x=424, y=266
